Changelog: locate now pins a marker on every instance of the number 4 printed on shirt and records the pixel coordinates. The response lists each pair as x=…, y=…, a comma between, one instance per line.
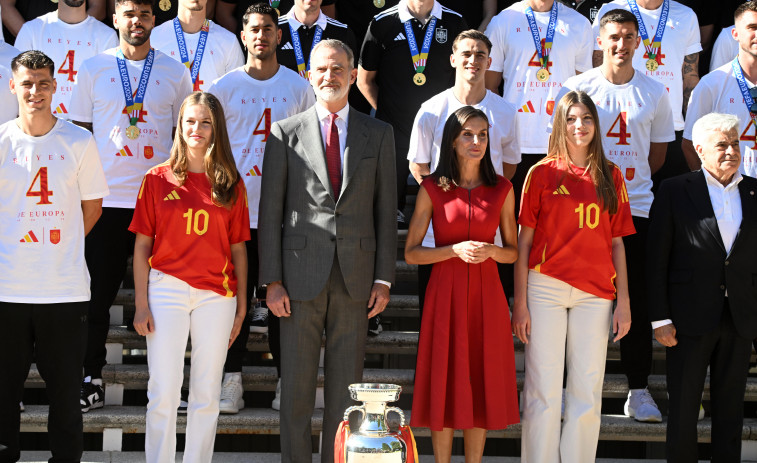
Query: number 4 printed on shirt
x=534, y=61
x=753, y=137
x=69, y=59
x=43, y=192
x=622, y=134
x=265, y=119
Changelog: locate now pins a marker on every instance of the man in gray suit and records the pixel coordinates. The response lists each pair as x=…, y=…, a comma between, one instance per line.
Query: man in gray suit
x=328, y=244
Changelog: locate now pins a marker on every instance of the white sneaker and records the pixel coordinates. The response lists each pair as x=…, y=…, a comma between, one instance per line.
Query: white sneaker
x=642, y=407
x=276, y=404
x=231, y=393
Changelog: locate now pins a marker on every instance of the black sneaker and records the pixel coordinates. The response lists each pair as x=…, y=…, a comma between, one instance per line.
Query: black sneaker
x=374, y=326
x=401, y=223
x=92, y=396
x=259, y=318
x=184, y=402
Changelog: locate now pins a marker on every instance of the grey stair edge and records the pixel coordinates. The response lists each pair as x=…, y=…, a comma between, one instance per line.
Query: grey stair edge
x=131, y=419
x=258, y=378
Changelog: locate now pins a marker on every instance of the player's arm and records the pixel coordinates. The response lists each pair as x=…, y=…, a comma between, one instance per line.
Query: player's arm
x=96, y=9
x=329, y=10
x=210, y=9
x=596, y=58
x=86, y=125
x=657, y=156
x=690, y=72
x=490, y=10
x=508, y=170
x=419, y=170
x=12, y=19
x=690, y=154
x=91, y=209
x=366, y=82
x=225, y=15
x=493, y=79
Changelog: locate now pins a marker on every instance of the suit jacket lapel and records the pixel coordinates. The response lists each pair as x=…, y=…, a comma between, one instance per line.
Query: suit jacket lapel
x=357, y=138
x=309, y=134
x=747, y=194
x=700, y=197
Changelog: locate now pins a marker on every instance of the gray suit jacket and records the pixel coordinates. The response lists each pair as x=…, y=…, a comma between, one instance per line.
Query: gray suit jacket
x=301, y=225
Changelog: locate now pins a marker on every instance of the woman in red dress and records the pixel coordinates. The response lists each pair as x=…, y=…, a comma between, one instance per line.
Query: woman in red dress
x=465, y=374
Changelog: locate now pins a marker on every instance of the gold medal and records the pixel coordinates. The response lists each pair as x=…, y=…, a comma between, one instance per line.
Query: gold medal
x=652, y=64
x=419, y=79
x=278, y=13
x=165, y=5
x=379, y=3
x=132, y=132
x=542, y=74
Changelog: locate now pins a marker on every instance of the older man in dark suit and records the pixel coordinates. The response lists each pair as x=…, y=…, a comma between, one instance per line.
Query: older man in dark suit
x=702, y=264
x=328, y=244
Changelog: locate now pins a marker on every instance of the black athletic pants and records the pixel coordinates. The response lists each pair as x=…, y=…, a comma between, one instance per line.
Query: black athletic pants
x=49, y=334
x=107, y=248
x=636, y=346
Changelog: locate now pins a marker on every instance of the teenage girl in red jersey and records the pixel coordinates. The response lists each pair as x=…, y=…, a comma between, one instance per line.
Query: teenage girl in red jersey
x=191, y=222
x=465, y=374
x=571, y=264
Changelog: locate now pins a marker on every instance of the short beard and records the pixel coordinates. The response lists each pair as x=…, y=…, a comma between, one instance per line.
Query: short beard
x=136, y=41
x=331, y=95
x=73, y=3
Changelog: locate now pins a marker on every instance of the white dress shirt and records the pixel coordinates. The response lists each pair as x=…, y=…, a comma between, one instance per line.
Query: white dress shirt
x=342, y=118
x=726, y=203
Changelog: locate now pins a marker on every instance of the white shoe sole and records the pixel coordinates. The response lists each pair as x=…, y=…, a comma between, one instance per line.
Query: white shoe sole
x=94, y=406
x=233, y=409
x=258, y=329
x=642, y=419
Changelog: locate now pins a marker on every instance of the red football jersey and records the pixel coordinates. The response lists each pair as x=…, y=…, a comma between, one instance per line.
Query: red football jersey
x=193, y=236
x=573, y=234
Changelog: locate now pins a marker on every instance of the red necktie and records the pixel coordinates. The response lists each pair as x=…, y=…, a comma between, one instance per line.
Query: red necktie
x=333, y=159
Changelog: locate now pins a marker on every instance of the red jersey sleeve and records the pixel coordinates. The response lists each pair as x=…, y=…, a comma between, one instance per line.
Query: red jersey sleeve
x=143, y=220
x=239, y=223
x=530, y=200
x=621, y=222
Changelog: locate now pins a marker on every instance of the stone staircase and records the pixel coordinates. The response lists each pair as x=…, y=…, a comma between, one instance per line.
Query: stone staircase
x=390, y=358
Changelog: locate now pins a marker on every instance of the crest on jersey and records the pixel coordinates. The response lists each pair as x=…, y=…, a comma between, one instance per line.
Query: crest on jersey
x=55, y=236
x=550, y=107
x=441, y=35
x=593, y=13
x=630, y=173
x=148, y=152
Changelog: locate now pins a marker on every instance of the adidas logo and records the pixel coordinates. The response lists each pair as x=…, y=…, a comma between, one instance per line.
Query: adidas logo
x=287, y=46
x=527, y=108
x=60, y=109
x=561, y=190
x=30, y=237
x=171, y=196
x=254, y=172
x=400, y=37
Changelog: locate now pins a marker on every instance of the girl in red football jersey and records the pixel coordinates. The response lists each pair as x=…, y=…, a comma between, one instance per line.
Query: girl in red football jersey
x=191, y=221
x=571, y=265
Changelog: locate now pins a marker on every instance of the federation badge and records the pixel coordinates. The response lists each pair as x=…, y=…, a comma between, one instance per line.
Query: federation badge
x=542, y=74
x=441, y=35
x=652, y=64
x=165, y=5
x=379, y=3
x=550, y=107
x=55, y=236
x=419, y=79
x=149, y=152
x=593, y=13
x=132, y=132
x=630, y=173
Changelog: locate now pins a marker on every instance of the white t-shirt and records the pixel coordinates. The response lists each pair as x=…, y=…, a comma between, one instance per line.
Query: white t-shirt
x=98, y=99
x=251, y=106
x=426, y=137
x=68, y=45
x=719, y=92
x=631, y=116
x=42, y=245
x=514, y=55
x=725, y=49
x=7, y=53
x=222, y=51
x=8, y=101
x=681, y=38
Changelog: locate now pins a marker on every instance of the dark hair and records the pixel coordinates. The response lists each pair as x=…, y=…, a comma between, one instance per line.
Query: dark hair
x=263, y=9
x=743, y=8
x=220, y=166
x=619, y=16
x=33, y=59
x=599, y=167
x=448, y=170
x=138, y=2
x=475, y=35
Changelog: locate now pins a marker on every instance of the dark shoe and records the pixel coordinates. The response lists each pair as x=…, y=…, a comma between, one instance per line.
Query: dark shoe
x=92, y=396
x=184, y=403
x=374, y=326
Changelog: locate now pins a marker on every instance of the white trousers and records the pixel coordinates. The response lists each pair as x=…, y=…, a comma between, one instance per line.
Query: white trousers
x=567, y=324
x=180, y=311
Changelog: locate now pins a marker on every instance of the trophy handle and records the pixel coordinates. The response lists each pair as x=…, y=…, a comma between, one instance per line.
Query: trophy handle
x=398, y=411
x=354, y=408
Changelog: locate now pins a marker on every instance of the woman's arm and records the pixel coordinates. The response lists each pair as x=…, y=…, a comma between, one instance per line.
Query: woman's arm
x=239, y=259
x=621, y=319
x=143, y=321
x=521, y=321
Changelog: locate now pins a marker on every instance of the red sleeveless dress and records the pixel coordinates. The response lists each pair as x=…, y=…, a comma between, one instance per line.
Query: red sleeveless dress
x=465, y=372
